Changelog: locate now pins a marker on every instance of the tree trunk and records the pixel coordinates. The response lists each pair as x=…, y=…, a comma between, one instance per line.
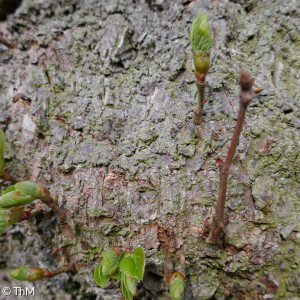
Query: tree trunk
x=97, y=100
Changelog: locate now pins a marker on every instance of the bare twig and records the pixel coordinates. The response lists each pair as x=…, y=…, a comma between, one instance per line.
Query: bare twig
x=199, y=110
x=246, y=95
x=57, y=210
x=45, y=196
x=63, y=269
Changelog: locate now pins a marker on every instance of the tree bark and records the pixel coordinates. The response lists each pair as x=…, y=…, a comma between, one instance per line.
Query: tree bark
x=97, y=104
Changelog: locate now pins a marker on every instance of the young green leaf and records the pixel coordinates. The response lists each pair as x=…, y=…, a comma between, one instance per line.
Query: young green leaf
x=200, y=36
x=20, y=273
x=138, y=256
x=129, y=267
x=100, y=278
x=176, y=276
x=177, y=289
x=127, y=294
x=134, y=264
x=9, y=189
x=117, y=273
x=12, y=199
x=27, y=188
x=20, y=194
x=126, y=267
x=28, y=273
x=130, y=284
x=122, y=255
x=109, y=262
x=176, y=284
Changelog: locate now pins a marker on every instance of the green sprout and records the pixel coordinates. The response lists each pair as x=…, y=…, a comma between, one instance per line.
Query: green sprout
x=28, y=273
x=20, y=194
x=201, y=41
x=15, y=198
x=25, y=192
x=124, y=266
x=176, y=284
x=35, y=273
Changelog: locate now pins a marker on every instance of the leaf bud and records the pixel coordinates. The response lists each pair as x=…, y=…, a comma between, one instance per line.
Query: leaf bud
x=13, y=199
x=200, y=36
x=44, y=195
x=14, y=215
x=202, y=64
x=28, y=273
x=27, y=188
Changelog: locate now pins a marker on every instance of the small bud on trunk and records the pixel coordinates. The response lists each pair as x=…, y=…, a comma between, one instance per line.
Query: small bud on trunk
x=14, y=199
x=27, y=188
x=176, y=276
x=202, y=64
x=28, y=273
x=14, y=215
x=44, y=195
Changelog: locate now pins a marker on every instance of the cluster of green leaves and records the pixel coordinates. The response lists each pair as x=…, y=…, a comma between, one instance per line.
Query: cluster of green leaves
x=20, y=195
x=12, y=200
x=23, y=193
x=176, y=284
x=127, y=267
x=201, y=38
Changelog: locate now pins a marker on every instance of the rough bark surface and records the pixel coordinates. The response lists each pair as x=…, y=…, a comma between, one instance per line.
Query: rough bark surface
x=97, y=101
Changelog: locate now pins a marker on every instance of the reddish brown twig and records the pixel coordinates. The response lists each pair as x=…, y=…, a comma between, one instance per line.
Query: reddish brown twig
x=63, y=269
x=45, y=196
x=199, y=109
x=57, y=210
x=246, y=95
